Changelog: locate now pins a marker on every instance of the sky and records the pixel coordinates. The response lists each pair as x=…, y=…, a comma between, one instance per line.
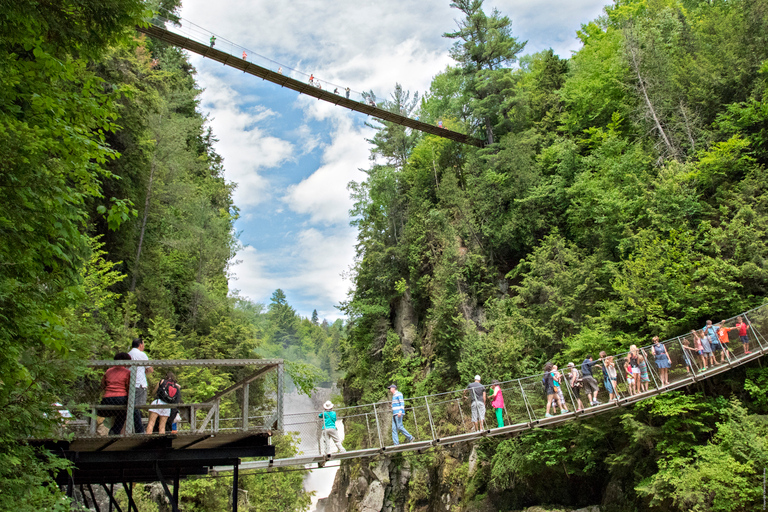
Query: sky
x=292, y=156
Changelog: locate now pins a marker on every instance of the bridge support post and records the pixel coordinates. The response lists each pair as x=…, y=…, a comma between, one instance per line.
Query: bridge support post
x=378, y=427
x=461, y=413
x=528, y=408
x=280, y=393
x=755, y=333
x=131, y=403
x=235, y=491
x=246, y=392
x=431, y=423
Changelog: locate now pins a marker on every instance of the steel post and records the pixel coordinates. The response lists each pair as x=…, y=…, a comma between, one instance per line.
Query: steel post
x=235, y=488
x=280, y=393
x=754, y=332
x=131, y=402
x=461, y=413
x=570, y=390
x=378, y=427
x=431, y=423
x=416, y=424
x=528, y=408
x=368, y=426
x=246, y=392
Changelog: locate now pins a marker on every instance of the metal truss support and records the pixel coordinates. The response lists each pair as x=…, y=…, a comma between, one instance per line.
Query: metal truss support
x=173, y=498
x=280, y=393
x=111, y=494
x=235, y=490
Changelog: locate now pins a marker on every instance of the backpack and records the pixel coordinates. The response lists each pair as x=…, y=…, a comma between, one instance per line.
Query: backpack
x=168, y=392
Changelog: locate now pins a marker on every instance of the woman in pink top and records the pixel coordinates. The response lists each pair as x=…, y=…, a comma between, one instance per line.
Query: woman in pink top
x=497, y=402
x=699, y=349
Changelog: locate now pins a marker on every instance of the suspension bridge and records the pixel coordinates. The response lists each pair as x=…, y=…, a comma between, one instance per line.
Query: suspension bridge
x=215, y=434
x=195, y=39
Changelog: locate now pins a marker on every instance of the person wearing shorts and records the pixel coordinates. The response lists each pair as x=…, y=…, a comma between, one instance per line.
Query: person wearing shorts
x=722, y=335
x=742, y=327
x=711, y=333
x=477, y=397
x=590, y=384
x=576, y=384
x=706, y=344
x=549, y=388
x=556, y=376
x=630, y=376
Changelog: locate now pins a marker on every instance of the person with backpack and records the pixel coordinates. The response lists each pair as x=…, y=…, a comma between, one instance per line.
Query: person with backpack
x=714, y=342
x=167, y=392
x=576, y=384
x=590, y=384
x=549, y=388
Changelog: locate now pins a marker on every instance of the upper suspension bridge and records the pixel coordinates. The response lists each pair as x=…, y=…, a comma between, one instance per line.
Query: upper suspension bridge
x=191, y=37
x=216, y=433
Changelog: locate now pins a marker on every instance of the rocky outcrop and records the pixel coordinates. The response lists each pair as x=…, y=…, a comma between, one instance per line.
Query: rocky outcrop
x=405, y=321
x=436, y=483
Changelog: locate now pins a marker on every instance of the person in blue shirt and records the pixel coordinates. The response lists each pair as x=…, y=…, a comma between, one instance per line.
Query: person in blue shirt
x=329, y=430
x=714, y=343
x=398, y=411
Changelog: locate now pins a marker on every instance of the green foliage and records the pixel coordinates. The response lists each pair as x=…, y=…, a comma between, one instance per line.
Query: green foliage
x=624, y=196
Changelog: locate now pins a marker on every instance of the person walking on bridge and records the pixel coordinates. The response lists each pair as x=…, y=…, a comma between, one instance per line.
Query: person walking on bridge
x=398, y=411
x=212, y=40
x=330, y=433
x=477, y=398
x=497, y=402
x=743, y=336
x=590, y=384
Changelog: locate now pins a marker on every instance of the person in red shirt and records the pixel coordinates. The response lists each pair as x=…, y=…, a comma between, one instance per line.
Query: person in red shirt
x=742, y=327
x=115, y=383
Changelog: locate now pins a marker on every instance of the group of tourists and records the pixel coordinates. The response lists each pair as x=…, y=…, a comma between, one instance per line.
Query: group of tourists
x=116, y=387
x=706, y=343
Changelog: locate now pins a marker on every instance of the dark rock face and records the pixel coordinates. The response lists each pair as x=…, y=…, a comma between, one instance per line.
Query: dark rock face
x=394, y=484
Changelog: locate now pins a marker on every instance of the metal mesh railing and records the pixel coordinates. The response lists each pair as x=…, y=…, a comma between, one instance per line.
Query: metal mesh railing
x=215, y=396
x=448, y=417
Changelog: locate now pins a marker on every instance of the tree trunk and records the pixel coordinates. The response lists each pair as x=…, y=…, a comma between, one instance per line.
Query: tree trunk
x=634, y=49
x=144, y=221
x=488, y=130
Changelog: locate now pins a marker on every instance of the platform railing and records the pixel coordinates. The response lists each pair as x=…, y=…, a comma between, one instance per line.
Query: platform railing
x=242, y=395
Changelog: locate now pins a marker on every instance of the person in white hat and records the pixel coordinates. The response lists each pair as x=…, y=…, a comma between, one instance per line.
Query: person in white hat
x=329, y=430
x=477, y=397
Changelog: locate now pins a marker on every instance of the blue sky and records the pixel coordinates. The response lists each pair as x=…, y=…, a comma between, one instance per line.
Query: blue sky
x=292, y=156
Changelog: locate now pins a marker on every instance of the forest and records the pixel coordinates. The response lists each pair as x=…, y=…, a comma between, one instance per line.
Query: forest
x=622, y=194
x=116, y=223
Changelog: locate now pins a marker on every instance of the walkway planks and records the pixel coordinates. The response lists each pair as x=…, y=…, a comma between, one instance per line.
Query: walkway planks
x=300, y=87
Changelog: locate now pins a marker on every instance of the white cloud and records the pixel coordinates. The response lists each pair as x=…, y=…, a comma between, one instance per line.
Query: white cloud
x=245, y=147
x=309, y=272
x=324, y=195
x=251, y=277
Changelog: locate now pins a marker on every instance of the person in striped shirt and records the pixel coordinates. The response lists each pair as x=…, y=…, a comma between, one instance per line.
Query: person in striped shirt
x=398, y=411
